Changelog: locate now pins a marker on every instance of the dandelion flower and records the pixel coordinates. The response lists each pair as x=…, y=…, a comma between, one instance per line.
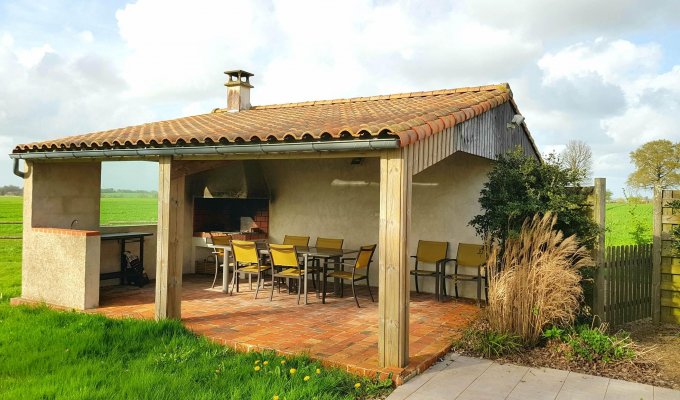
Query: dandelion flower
x=357, y=385
x=318, y=371
x=283, y=362
x=257, y=361
x=265, y=363
x=257, y=368
x=293, y=371
x=306, y=378
x=276, y=397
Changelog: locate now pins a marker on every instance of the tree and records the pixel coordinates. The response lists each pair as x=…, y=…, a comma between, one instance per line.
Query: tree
x=519, y=187
x=578, y=157
x=657, y=165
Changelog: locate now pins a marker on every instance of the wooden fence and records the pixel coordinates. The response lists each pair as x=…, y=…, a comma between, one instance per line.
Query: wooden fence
x=627, y=284
x=667, y=263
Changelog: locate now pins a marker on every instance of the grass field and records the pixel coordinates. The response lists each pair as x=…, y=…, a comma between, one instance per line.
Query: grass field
x=46, y=354
x=624, y=219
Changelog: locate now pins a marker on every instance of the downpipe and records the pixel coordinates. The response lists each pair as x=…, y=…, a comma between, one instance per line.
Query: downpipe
x=21, y=174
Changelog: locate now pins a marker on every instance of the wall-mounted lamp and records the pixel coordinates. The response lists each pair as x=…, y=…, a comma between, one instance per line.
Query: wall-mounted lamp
x=517, y=120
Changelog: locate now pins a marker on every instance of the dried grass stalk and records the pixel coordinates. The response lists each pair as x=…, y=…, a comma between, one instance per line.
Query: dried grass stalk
x=539, y=283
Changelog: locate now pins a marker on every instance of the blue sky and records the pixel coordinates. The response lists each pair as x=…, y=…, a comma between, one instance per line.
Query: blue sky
x=605, y=72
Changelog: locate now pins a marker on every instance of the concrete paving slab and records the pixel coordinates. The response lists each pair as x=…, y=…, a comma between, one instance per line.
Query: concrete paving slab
x=539, y=384
x=623, y=390
x=580, y=386
x=495, y=383
x=666, y=394
x=464, y=378
x=404, y=391
x=453, y=380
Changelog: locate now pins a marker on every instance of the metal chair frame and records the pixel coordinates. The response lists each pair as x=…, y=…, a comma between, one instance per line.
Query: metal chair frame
x=354, y=277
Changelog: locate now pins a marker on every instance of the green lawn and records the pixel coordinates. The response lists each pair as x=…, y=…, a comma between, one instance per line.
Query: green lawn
x=125, y=210
x=48, y=354
x=624, y=219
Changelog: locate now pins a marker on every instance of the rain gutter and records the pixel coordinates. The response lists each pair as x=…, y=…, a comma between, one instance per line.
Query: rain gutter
x=259, y=148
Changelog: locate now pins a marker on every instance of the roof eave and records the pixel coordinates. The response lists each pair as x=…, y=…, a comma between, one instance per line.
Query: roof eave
x=240, y=149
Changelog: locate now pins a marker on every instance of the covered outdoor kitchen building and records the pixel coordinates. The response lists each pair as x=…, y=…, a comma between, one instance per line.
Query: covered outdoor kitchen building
x=361, y=169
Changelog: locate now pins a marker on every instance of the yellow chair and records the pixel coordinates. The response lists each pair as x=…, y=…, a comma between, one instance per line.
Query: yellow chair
x=219, y=253
x=430, y=252
x=360, y=270
x=323, y=243
x=247, y=260
x=296, y=240
x=286, y=264
x=469, y=255
x=328, y=243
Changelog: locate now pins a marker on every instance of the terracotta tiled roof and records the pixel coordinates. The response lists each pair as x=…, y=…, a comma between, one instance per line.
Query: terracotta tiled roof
x=408, y=116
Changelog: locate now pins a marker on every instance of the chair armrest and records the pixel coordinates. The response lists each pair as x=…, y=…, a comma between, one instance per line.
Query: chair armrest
x=445, y=261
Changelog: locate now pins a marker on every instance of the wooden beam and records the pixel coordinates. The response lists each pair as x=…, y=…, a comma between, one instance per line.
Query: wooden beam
x=169, y=241
x=393, y=298
x=656, y=256
x=599, y=209
x=185, y=168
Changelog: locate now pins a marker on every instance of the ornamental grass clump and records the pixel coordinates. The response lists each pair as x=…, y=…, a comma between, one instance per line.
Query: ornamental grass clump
x=535, y=283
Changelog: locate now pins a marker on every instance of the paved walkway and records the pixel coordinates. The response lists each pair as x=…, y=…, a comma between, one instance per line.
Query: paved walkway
x=459, y=377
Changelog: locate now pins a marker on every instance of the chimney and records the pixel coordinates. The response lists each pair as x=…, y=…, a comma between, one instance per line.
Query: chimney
x=238, y=90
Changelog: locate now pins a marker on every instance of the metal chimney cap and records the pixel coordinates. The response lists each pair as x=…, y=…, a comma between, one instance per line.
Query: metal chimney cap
x=237, y=76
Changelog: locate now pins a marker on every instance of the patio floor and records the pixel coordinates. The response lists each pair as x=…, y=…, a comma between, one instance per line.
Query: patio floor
x=337, y=333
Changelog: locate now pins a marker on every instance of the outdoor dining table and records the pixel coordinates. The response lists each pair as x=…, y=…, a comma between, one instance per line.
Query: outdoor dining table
x=306, y=252
x=326, y=255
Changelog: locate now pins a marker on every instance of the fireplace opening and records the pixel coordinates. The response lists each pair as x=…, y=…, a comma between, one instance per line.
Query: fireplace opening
x=244, y=219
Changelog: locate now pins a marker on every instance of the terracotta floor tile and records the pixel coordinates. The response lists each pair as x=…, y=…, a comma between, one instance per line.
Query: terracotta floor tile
x=337, y=332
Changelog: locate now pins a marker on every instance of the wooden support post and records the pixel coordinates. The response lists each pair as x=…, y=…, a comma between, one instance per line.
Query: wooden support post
x=393, y=298
x=169, y=248
x=656, y=256
x=599, y=210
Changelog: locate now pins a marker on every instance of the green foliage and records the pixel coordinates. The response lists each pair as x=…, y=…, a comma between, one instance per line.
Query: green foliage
x=488, y=343
x=11, y=190
x=657, y=164
x=553, y=333
x=520, y=186
x=675, y=206
x=592, y=344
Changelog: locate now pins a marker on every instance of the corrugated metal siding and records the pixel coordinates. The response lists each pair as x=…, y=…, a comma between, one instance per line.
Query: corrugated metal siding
x=488, y=136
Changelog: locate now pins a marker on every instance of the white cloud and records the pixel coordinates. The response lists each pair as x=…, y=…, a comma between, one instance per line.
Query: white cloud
x=559, y=20
x=575, y=68
x=613, y=61
x=86, y=37
x=180, y=49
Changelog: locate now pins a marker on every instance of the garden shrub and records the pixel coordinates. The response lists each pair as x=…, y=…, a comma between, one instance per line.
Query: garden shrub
x=539, y=282
x=480, y=340
x=519, y=187
x=592, y=344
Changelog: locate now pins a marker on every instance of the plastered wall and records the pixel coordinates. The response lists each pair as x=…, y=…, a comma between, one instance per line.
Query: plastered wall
x=333, y=198
x=61, y=265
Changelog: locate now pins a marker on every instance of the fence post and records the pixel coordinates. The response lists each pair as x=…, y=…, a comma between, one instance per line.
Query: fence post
x=599, y=209
x=656, y=256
